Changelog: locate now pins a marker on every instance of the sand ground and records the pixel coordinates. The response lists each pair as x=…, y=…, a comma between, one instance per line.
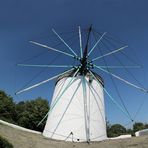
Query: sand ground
x=21, y=139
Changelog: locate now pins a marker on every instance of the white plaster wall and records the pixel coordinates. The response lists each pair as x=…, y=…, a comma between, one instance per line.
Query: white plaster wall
x=62, y=122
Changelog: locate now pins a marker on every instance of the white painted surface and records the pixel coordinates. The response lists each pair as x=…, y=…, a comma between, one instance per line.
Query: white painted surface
x=142, y=132
x=137, y=134
x=19, y=127
x=121, y=137
x=61, y=123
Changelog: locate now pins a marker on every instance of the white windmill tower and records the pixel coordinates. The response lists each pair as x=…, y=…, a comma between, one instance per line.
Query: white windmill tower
x=77, y=111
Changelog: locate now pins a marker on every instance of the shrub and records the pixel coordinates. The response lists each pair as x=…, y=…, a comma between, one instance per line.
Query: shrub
x=31, y=112
x=7, y=107
x=116, y=130
x=4, y=143
x=138, y=126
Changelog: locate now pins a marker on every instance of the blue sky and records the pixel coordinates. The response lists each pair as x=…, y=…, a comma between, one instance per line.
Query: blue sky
x=21, y=21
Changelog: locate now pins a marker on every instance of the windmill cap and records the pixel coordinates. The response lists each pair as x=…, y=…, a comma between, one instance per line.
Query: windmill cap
x=88, y=75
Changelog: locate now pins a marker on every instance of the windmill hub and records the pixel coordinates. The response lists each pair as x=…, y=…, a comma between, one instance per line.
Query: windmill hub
x=85, y=66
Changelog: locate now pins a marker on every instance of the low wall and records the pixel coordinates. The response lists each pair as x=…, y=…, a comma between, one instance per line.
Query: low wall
x=19, y=127
x=121, y=137
x=142, y=133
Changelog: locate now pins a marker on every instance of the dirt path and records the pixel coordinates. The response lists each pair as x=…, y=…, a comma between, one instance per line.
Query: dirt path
x=22, y=139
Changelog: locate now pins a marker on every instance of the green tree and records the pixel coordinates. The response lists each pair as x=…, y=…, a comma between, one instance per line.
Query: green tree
x=146, y=126
x=116, y=130
x=30, y=113
x=4, y=143
x=138, y=126
x=7, y=107
x=108, y=126
x=130, y=131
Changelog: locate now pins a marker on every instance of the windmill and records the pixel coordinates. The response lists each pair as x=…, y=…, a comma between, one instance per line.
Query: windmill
x=77, y=111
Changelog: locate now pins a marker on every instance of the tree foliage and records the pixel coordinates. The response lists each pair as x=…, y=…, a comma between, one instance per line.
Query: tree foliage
x=30, y=113
x=138, y=126
x=116, y=130
x=4, y=143
x=7, y=107
x=26, y=113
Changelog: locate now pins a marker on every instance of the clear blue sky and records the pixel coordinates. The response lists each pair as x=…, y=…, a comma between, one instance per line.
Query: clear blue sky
x=21, y=21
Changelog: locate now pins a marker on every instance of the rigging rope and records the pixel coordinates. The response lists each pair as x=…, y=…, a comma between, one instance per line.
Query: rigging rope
x=111, y=77
x=126, y=69
x=142, y=102
x=107, y=38
x=124, y=66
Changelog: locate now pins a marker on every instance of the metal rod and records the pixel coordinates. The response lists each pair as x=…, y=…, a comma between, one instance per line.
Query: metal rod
x=45, y=81
x=96, y=43
x=119, y=66
x=111, y=98
x=125, y=81
x=112, y=52
x=53, y=49
x=80, y=38
x=85, y=53
x=58, y=97
x=59, y=66
x=87, y=130
x=64, y=42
